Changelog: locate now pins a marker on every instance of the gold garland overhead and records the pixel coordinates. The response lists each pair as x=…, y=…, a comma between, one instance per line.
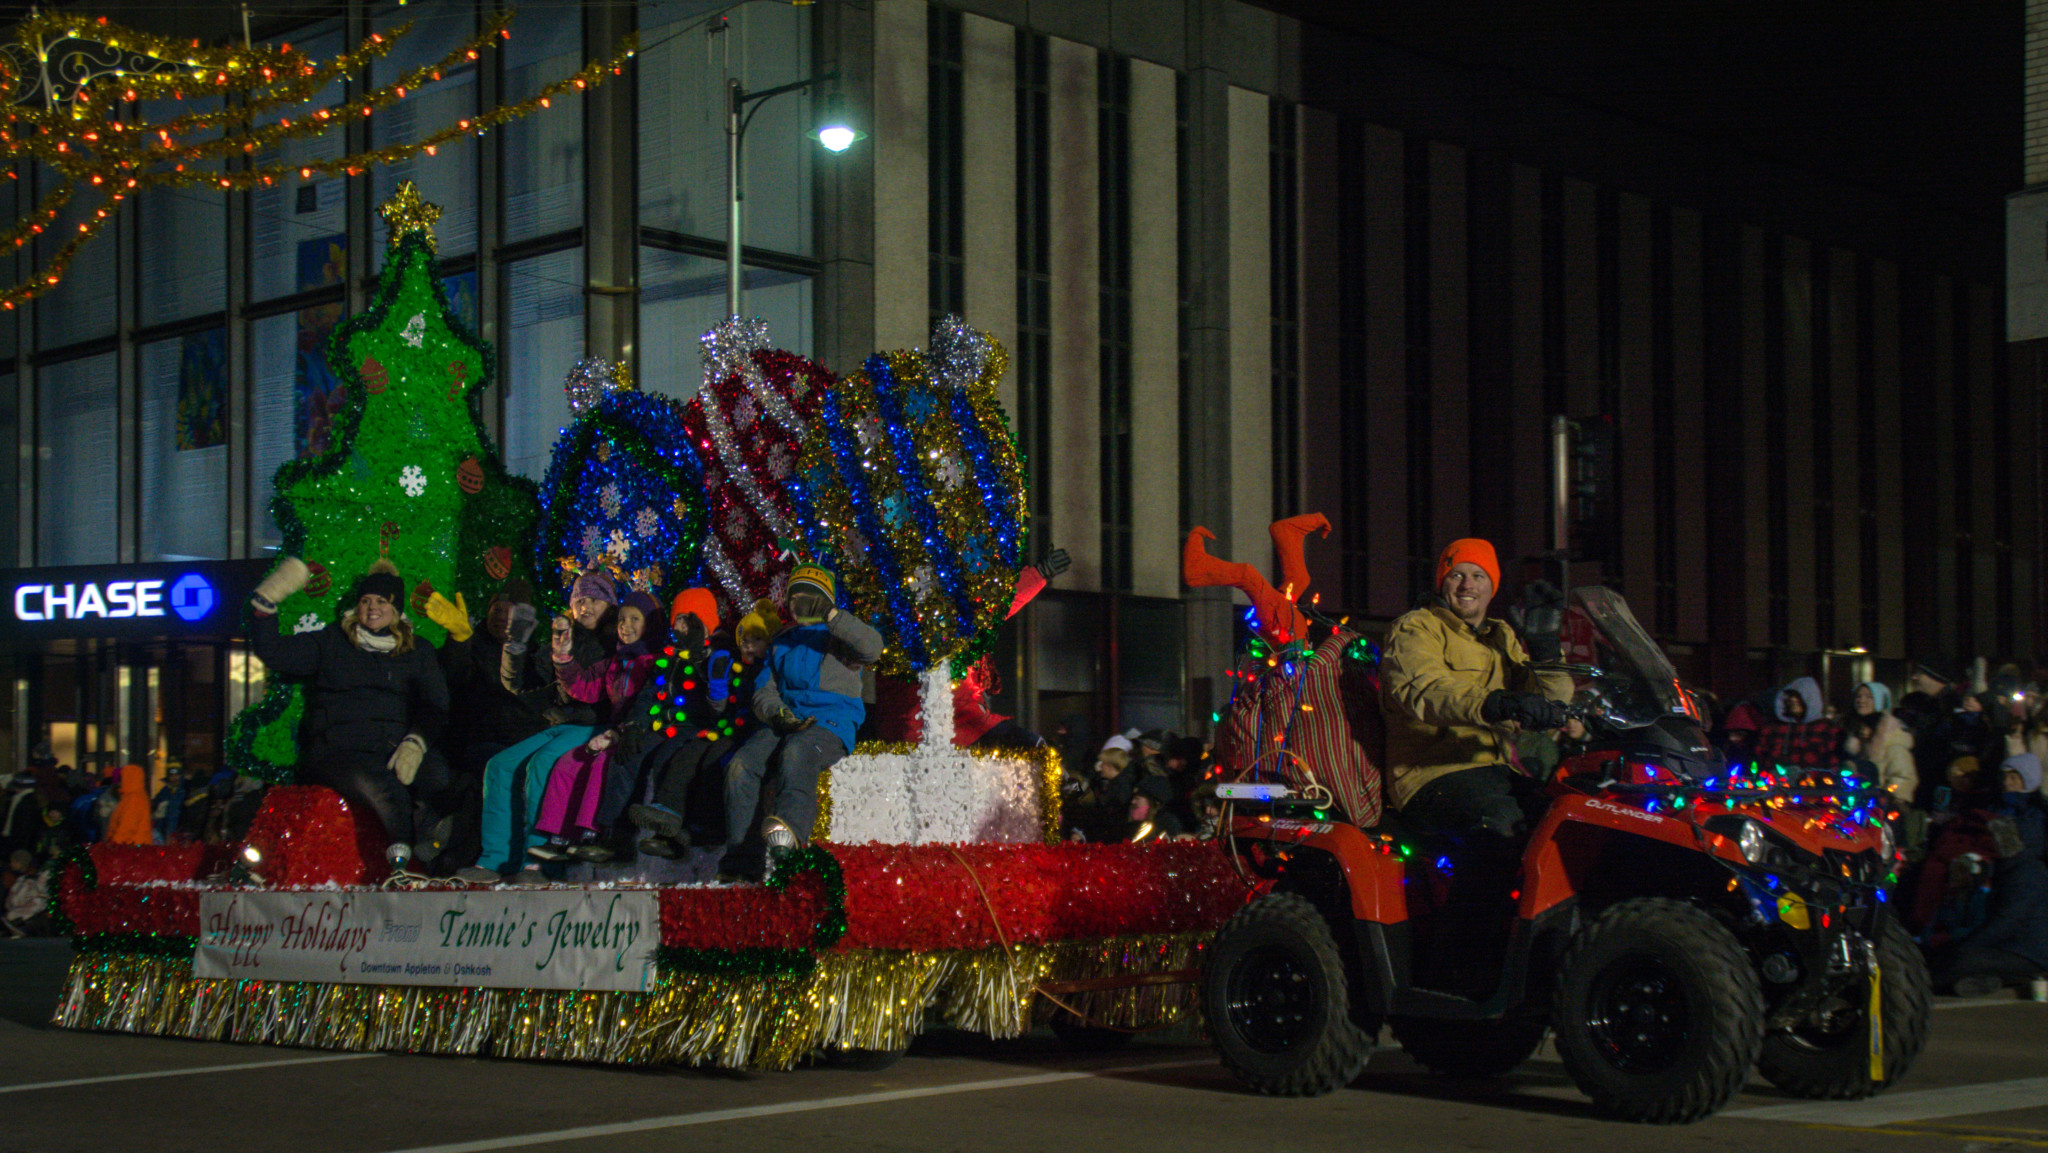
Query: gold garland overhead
x=104, y=152
x=853, y=999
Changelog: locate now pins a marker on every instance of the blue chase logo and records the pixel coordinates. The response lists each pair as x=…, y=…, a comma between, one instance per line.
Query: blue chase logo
x=191, y=597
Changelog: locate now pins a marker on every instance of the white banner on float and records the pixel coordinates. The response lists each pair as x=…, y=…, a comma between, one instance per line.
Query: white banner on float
x=591, y=939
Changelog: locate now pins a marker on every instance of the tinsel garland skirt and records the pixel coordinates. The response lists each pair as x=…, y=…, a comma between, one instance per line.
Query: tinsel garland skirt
x=852, y=998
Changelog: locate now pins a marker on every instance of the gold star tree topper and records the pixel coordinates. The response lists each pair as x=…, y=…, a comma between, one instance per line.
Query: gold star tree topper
x=406, y=212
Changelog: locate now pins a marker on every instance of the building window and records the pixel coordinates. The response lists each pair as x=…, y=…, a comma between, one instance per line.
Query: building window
x=299, y=229
x=1113, y=160
x=447, y=178
x=682, y=90
x=945, y=149
x=543, y=338
x=78, y=461
x=541, y=156
x=83, y=305
x=184, y=490
x=682, y=294
x=183, y=256
x=1283, y=230
x=1034, y=273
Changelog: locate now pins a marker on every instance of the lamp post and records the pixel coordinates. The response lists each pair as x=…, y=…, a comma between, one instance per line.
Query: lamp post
x=833, y=132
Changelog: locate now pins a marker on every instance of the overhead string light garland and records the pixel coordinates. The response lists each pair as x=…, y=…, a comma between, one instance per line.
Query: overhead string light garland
x=103, y=152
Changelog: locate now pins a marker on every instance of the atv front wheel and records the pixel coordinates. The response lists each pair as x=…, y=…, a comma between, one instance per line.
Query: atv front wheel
x=1468, y=1048
x=1277, y=1004
x=1829, y=1056
x=1658, y=1014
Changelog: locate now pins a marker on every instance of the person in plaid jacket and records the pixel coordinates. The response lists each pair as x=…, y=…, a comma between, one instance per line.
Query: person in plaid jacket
x=1803, y=736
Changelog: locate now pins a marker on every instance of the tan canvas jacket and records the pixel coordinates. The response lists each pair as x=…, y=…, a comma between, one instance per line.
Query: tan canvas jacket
x=1435, y=673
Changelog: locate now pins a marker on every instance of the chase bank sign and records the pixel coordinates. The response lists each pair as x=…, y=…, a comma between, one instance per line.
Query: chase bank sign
x=129, y=600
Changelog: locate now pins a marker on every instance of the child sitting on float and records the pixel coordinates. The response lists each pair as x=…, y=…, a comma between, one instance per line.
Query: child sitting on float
x=704, y=712
x=578, y=778
x=809, y=702
x=375, y=701
x=579, y=641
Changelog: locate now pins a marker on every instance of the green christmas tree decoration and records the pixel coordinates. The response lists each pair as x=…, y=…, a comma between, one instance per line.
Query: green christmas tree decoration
x=410, y=475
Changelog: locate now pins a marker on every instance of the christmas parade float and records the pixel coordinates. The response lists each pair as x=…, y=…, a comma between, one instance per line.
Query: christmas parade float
x=934, y=890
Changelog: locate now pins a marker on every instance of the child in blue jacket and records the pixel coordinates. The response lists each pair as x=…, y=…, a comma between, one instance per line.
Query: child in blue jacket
x=809, y=701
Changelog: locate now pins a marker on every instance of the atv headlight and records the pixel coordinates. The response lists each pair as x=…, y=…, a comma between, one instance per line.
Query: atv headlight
x=1750, y=839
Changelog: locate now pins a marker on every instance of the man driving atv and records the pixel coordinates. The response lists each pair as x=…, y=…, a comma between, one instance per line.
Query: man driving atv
x=1452, y=682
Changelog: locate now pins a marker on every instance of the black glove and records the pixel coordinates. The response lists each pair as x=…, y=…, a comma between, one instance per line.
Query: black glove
x=1531, y=710
x=1053, y=563
x=520, y=626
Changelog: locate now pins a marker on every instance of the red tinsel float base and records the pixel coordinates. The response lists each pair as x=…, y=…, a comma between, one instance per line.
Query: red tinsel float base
x=307, y=835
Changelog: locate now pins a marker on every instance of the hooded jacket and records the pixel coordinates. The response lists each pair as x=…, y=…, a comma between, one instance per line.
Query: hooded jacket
x=1890, y=748
x=1435, y=673
x=1812, y=742
x=814, y=671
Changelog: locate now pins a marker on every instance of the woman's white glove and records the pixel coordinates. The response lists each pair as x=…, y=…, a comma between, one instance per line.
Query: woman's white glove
x=290, y=575
x=405, y=759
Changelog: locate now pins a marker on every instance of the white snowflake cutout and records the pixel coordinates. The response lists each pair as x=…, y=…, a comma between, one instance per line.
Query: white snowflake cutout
x=309, y=623
x=733, y=523
x=619, y=546
x=745, y=412
x=779, y=462
x=593, y=542
x=645, y=522
x=611, y=498
x=413, y=479
x=759, y=560
x=415, y=331
x=950, y=472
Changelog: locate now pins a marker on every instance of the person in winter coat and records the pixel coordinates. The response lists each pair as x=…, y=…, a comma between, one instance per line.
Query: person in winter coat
x=2020, y=777
x=568, y=811
x=700, y=709
x=2009, y=945
x=1875, y=735
x=1454, y=684
x=576, y=645
x=375, y=702
x=1930, y=711
x=1099, y=804
x=1801, y=737
x=810, y=701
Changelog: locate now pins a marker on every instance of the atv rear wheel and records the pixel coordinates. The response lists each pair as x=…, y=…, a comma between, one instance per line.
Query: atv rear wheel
x=1658, y=1014
x=1277, y=1003
x=1468, y=1048
x=1829, y=1057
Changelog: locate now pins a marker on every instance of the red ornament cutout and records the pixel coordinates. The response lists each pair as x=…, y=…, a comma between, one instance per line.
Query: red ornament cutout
x=469, y=476
x=376, y=377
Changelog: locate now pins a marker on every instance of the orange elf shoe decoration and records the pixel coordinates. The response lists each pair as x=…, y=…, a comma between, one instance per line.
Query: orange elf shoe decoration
x=1278, y=620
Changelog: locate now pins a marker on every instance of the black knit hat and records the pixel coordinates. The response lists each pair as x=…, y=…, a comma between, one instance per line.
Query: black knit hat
x=382, y=580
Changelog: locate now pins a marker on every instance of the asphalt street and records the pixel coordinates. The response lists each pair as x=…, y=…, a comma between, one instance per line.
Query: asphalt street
x=1981, y=1086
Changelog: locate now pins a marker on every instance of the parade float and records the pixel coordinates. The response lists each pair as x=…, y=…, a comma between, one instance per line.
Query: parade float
x=935, y=890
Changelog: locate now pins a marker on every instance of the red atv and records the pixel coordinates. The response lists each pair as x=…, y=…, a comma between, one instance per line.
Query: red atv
x=1673, y=919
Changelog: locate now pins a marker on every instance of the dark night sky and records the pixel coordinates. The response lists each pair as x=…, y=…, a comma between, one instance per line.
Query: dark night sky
x=1920, y=100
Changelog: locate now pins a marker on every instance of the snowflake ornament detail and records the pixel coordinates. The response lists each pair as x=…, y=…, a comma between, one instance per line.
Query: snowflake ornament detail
x=309, y=623
x=413, y=479
x=593, y=543
x=612, y=499
x=645, y=522
x=619, y=547
x=415, y=331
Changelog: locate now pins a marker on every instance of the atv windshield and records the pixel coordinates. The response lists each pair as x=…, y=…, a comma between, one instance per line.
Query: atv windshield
x=1626, y=653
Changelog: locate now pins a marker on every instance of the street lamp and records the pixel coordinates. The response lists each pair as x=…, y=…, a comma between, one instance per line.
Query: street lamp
x=834, y=132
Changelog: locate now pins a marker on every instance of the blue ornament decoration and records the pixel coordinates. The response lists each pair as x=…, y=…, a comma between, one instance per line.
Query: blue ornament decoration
x=624, y=492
